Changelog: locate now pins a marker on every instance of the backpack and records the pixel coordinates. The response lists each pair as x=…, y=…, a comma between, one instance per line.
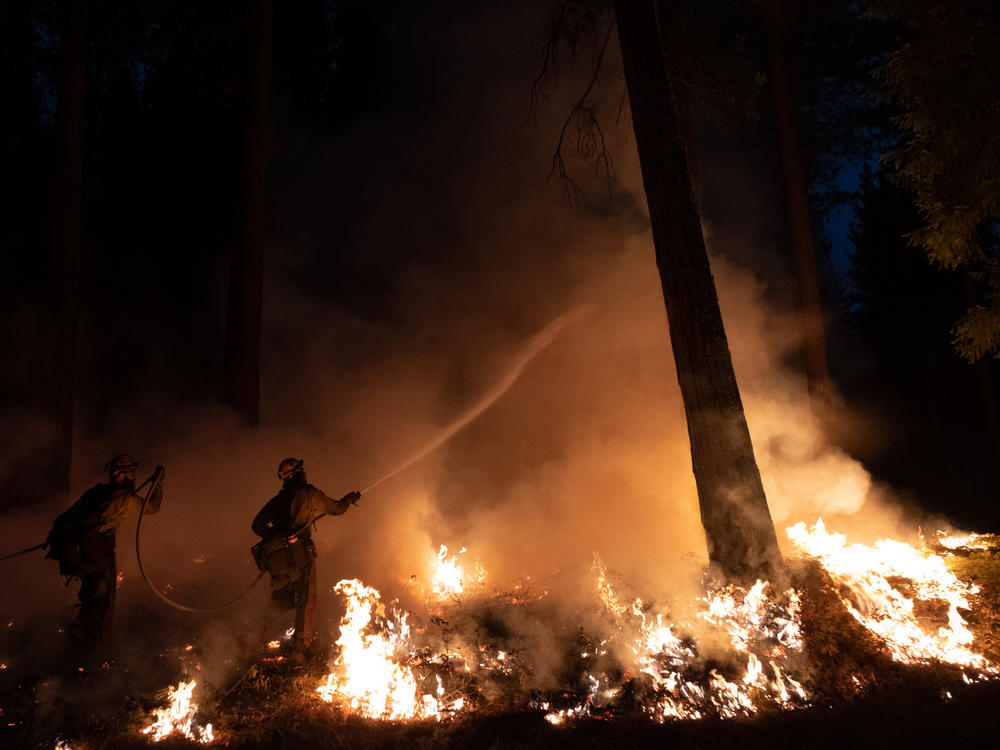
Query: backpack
x=74, y=541
x=80, y=552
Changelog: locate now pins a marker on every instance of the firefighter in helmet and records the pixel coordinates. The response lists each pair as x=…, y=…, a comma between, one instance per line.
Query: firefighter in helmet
x=287, y=551
x=82, y=540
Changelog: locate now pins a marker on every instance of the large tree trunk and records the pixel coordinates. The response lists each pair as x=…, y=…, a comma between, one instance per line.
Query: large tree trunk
x=797, y=214
x=246, y=280
x=58, y=390
x=734, y=513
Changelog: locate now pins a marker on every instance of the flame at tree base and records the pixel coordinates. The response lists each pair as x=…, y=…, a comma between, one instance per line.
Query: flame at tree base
x=641, y=659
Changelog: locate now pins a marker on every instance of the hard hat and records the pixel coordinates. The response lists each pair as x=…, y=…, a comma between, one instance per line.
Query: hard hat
x=122, y=462
x=289, y=468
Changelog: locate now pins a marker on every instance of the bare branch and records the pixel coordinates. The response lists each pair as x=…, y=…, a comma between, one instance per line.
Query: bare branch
x=550, y=61
x=591, y=143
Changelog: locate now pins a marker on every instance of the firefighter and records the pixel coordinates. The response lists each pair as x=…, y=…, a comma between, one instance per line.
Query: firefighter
x=82, y=540
x=287, y=551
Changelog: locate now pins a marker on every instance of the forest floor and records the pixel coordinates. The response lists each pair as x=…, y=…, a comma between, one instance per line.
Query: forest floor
x=859, y=695
x=915, y=717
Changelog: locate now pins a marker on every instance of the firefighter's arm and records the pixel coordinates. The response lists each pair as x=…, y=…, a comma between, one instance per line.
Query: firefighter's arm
x=330, y=507
x=135, y=500
x=156, y=496
x=127, y=503
x=263, y=524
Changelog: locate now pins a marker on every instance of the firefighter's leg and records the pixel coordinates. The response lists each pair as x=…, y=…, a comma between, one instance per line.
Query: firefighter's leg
x=305, y=608
x=111, y=576
x=96, y=596
x=265, y=626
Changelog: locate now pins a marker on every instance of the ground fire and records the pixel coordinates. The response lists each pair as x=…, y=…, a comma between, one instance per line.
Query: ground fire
x=744, y=650
x=179, y=717
x=468, y=646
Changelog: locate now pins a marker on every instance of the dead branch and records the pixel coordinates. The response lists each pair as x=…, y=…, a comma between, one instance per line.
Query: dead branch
x=550, y=62
x=591, y=143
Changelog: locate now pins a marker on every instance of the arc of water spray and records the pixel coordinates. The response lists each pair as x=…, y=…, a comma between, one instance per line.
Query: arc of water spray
x=535, y=345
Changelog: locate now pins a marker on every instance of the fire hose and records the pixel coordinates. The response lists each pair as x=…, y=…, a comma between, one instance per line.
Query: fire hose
x=536, y=344
x=152, y=587
x=24, y=551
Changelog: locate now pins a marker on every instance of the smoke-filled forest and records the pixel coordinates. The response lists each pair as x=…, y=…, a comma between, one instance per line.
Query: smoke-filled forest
x=572, y=373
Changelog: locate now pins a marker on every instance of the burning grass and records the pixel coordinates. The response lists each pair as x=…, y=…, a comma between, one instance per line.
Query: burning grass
x=856, y=627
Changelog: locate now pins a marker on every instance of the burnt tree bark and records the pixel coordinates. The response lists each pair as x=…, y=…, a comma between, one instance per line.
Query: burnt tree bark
x=734, y=512
x=797, y=213
x=246, y=274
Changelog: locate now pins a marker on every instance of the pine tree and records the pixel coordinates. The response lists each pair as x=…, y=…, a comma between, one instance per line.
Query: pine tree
x=737, y=522
x=944, y=78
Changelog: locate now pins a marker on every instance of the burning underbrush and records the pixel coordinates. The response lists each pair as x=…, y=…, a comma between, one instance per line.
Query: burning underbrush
x=851, y=622
x=852, y=617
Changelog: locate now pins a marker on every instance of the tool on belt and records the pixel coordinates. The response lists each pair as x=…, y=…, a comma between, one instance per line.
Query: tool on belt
x=284, y=557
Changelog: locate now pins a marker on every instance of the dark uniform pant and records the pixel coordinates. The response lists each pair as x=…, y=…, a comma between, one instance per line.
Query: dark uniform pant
x=97, y=604
x=300, y=595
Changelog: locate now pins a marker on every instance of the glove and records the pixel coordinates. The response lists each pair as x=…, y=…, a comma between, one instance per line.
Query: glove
x=353, y=497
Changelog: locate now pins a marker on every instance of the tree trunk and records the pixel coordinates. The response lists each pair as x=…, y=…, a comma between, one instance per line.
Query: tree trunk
x=246, y=280
x=67, y=206
x=797, y=214
x=734, y=513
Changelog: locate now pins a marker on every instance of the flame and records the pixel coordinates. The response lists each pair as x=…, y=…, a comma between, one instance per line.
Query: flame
x=448, y=577
x=882, y=608
x=957, y=541
x=179, y=716
x=606, y=593
x=743, y=651
x=754, y=624
x=370, y=675
x=762, y=631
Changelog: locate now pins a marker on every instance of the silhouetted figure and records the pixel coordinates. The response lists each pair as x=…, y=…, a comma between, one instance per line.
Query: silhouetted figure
x=287, y=551
x=82, y=540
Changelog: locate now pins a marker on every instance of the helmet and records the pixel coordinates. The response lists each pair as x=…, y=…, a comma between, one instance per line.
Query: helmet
x=121, y=463
x=289, y=468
